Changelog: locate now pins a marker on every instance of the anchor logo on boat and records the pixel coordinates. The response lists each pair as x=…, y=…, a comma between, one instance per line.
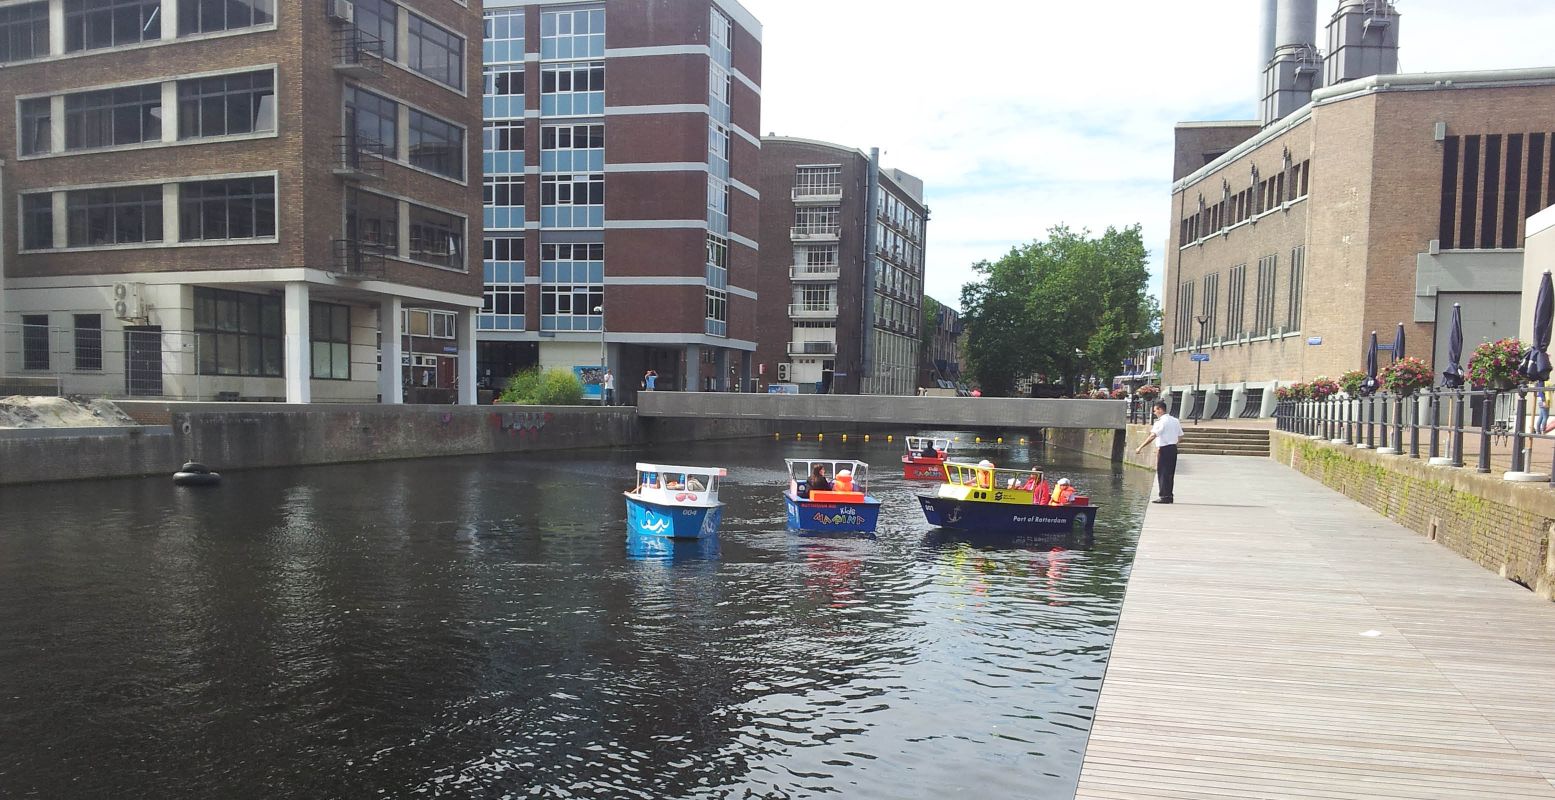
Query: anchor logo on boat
x=954, y=516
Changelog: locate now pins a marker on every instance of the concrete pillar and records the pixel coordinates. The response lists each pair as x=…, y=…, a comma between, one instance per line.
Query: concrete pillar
x=57, y=122
x=172, y=230
x=693, y=377
x=391, y=375
x=298, y=351
x=464, y=331
x=169, y=110
x=723, y=369
x=57, y=35
x=745, y=371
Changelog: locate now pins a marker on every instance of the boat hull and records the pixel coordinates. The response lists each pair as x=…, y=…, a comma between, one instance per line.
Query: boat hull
x=672, y=522
x=1006, y=518
x=832, y=517
x=923, y=469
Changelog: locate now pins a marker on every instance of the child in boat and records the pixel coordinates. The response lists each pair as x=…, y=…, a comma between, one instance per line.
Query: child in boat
x=818, y=482
x=844, y=482
x=1063, y=493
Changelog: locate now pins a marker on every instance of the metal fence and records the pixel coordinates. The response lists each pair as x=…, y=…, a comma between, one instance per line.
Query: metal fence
x=87, y=359
x=1497, y=430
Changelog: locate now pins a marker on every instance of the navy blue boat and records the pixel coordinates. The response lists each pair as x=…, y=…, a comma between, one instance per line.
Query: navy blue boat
x=984, y=499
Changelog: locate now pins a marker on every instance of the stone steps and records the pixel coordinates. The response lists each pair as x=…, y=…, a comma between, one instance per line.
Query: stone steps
x=1250, y=442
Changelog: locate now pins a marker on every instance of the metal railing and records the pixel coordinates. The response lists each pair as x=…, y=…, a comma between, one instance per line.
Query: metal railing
x=357, y=52
x=111, y=358
x=831, y=193
x=360, y=260
x=812, y=310
x=812, y=348
x=808, y=272
x=815, y=232
x=359, y=156
x=1500, y=429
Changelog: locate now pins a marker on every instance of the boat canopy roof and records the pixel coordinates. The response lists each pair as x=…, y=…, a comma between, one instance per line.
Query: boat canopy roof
x=674, y=485
x=716, y=472
x=799, y=468
x=916, y=443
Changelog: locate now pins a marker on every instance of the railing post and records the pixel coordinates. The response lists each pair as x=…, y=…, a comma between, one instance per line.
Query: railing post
x=1349, y=420
x=1486, y=411
x=1414, y=426
x=1519, y=463
x=1457, y=427
x=1434, y=410
x=1371, y=421
x=1398, y=424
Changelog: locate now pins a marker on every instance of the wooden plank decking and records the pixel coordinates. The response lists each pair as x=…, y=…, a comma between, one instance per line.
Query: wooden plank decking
x=1281, y=641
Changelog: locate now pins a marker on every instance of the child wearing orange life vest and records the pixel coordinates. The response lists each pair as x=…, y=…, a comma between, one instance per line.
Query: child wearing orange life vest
x=844, y=481
x=1063, y=493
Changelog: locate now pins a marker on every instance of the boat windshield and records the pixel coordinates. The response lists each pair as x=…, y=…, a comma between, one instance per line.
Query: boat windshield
x=672, y=479
x=916, y=444
x=964, y=474
x=799, y=470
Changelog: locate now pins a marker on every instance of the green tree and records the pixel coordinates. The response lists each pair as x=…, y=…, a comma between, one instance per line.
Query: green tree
x=1064, y=307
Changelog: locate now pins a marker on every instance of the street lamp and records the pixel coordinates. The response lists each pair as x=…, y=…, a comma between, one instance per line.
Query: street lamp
x=1198, y=407
x=1079, y=356
x=599, y=310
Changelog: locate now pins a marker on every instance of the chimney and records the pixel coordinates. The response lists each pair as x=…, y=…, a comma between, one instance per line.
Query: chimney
x=1293, y=73
x=1362, y=41
x=1267, y=10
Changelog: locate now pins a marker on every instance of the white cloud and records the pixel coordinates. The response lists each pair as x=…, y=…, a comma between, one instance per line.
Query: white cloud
x=1023, y=114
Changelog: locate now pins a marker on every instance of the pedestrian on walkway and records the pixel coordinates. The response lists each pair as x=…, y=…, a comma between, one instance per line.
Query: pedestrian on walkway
x=610, y=387
x=1166, y=433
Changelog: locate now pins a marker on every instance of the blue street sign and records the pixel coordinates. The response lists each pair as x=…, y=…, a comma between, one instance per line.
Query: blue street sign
x=1202, y=358
x=1315, y=341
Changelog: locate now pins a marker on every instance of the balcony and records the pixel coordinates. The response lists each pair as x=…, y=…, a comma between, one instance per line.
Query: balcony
x=357, y=54
x=357, y=260
x=812, y=349
x=812, y=311
x=806, y=272
x=829, y=195
x=358, y=158
x=816, y=233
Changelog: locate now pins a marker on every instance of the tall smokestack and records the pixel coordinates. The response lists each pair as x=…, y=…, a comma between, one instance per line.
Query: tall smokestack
x=1362, y=41
x=1292, y=74
x=1267, y=10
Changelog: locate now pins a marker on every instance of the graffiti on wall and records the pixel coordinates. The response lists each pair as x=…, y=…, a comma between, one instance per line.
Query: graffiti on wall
x=521, y=423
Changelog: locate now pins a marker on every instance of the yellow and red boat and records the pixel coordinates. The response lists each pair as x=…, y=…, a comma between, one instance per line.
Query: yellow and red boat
x=917, y=465
x=981, y=498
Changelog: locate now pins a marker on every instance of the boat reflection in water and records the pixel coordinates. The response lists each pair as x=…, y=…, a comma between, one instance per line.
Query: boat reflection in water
x=1068, y=540
x=648, y=547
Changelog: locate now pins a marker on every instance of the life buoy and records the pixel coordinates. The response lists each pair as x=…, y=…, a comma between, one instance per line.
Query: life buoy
x=196, y=474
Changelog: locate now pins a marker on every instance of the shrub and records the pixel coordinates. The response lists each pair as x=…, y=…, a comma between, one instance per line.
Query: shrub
x=1352, y=381
x=1323, y=388
x=1406, y=376
x=1149, y=392
x=1120, y=394
x=553, y=387
x=1495, y=364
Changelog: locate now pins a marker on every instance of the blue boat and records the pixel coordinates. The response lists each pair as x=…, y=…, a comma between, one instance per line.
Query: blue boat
x=845, y=508
x=675, y=502
x=980, y=498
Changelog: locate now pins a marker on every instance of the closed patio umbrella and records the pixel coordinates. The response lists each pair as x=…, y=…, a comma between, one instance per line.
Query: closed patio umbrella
x=1369, y=386
x=1536, y=362
x=1452, y=377
x=1398, y=343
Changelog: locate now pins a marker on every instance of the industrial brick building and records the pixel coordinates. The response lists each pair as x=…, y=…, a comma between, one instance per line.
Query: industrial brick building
x=842, y=261
x=1360, y=200
x=242, y=199
x=621, y=158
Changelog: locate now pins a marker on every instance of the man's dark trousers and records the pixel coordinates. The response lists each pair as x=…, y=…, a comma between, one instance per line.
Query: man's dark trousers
x=1166, y=469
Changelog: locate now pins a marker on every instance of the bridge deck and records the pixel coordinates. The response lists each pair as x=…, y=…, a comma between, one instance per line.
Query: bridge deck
x=927, y=412
x=1280, y=640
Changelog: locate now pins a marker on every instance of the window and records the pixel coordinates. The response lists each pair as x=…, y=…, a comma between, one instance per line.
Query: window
x=718, y=149
x=237, y=333
x=243, y=208
x=717, y=204
x=572, y=201
x=572, y=148
x=572, y=34
x=434, y=51
x=1236, y=296
x=209, y=16
x=504, y=37
x=89, y=341
x=120, y=215
x=372, y=119
x=572, y=90
x=817, y=220
x=35, y=341
x=717, y=312
x=819, y=181
x=1298, y=263
x=504, y=81
x=1263, y=309
x=113, y=117
x=37, y=221
x=1211, y=307
x=436, y=146
x=373, y=220
x=94, y=24
x=379, y=18
x=329, y=331
x=572, y=285
x=504, y=199
x=37, y=126
x=504, y=136
x=717, y=251
x=503, y=309
x=226, y=105
x=24, y=32
x=1184, y=332
x=436, y=237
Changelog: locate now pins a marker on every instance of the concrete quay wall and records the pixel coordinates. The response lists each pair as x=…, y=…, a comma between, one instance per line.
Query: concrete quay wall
x=230, y=436
x=1117, y=445
x=1503, y=526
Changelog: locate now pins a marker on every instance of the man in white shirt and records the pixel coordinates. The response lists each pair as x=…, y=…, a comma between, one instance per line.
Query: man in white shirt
x=609, y=386
x=1166, y=433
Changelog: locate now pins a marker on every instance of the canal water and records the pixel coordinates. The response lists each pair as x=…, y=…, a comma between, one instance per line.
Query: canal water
x=479, y=627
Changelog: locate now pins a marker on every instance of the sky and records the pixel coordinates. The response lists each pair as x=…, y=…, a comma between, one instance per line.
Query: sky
x=1020, y=115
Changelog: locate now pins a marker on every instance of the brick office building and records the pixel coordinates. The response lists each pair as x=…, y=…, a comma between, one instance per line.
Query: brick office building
x=621, y=159
x=237, y=199
x=1380, y=199
x=841, y=270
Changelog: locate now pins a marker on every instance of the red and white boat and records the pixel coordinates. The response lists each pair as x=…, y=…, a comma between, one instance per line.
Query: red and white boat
x=917, y=465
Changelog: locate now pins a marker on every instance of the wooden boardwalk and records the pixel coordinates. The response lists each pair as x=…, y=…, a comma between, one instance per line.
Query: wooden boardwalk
x=1281, y=641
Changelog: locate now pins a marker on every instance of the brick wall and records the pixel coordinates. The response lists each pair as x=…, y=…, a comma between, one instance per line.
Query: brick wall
x=1503, y=527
